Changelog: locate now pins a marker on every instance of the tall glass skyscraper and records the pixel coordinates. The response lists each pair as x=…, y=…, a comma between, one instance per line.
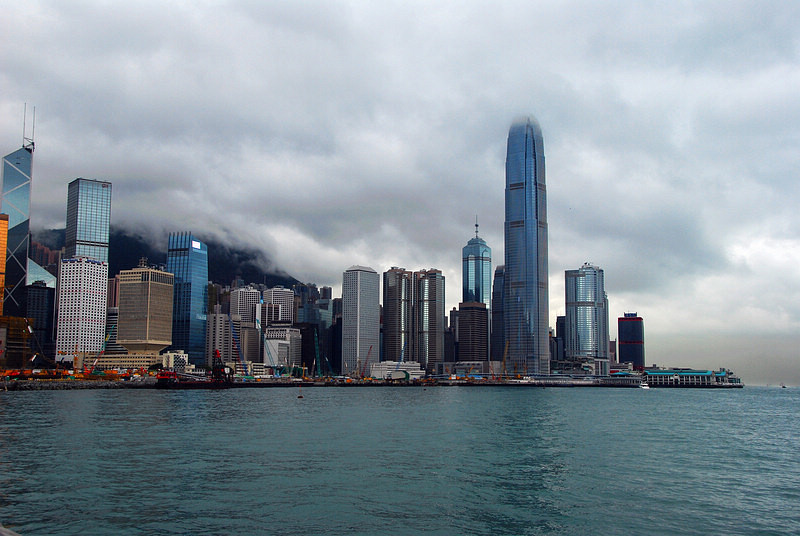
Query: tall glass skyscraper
x=398, y=299
x=497, y=345
x=428, y=317
x=586, y=322
x=187, y=259
x=476, y=274
x=526, y=283
x=88, y=219
x=16, y=202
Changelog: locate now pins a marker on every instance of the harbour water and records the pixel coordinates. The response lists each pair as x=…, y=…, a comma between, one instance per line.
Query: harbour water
x=440, y=460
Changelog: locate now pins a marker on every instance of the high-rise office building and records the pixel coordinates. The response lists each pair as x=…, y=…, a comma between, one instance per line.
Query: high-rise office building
x=219, y=336
x=526, y=284
x=398, y=298
x=82, y=287
x=283, y=301
x=630, y=340
x=497, y=322
x=586, y=322
x=473, y=332
x=306, y=296
x=283, y=347
x=243, y=303
x=113, y=291
x=558, y=354
x=41, y=308
x=16, y=202
x=476, y=275
x=112, y=330
x=428, y=319
x=326, y=293
x=88, y=219
x=187, y=259
x=145, y=309
x=414, y=316
x=360, y=319
x=476, y=281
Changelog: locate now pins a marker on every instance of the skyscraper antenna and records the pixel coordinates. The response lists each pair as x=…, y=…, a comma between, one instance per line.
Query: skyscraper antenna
x=27, y=143
x=476, y=226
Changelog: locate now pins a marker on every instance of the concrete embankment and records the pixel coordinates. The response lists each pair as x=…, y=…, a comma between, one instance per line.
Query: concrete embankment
x=65, y=385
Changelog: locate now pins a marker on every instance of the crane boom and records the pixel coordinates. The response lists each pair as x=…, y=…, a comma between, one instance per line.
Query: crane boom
x=366, y=362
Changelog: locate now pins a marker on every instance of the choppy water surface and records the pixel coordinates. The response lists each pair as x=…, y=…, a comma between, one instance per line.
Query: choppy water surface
x=443, y=460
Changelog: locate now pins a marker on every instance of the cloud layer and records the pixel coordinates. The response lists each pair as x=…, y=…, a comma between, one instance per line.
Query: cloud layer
x=336, y=133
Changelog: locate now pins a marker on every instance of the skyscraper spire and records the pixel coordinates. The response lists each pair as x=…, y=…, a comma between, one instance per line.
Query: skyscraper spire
x=476, y=226
x=27, y=143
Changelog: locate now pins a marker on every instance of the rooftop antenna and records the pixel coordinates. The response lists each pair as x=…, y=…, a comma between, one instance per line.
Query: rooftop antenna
x=27, y=143
x=476, y=226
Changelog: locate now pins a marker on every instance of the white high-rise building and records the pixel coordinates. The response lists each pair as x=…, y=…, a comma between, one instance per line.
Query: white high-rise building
x=243, y=303
x=82, y=291
x=360, y=320
x=283, y=299
x=219, y=336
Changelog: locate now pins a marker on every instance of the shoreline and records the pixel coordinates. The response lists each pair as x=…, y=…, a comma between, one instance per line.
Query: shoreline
x=150, y=383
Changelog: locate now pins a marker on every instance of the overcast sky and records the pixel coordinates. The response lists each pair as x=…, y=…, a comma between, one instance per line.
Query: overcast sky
x=328, y=134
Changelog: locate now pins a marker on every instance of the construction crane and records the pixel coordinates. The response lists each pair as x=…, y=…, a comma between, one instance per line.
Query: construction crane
x=41, y=352
x=402, y=354
x=366, y=362
x=102, y=350
x=316, y=354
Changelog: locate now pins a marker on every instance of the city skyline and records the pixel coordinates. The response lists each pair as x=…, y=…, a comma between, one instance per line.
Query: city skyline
x=667, y=134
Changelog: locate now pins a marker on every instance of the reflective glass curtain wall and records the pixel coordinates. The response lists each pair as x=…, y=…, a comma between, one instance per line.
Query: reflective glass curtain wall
x=498, y=339
x=428, y=317
x=586, y=322
x=398, y=298
x=88, y=219
x=16, y=202
x=187, y=259
x=526, y=283
x=476, y=274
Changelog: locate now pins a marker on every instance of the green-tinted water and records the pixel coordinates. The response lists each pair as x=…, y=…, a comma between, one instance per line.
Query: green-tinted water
x=444, y=460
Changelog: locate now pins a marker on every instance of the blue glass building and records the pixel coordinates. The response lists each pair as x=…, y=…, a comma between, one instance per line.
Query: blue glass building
x=526, y=283
x=476, y=273
x=497, y=345
x=88, y=219
x=16, y=202
x=187, y=259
